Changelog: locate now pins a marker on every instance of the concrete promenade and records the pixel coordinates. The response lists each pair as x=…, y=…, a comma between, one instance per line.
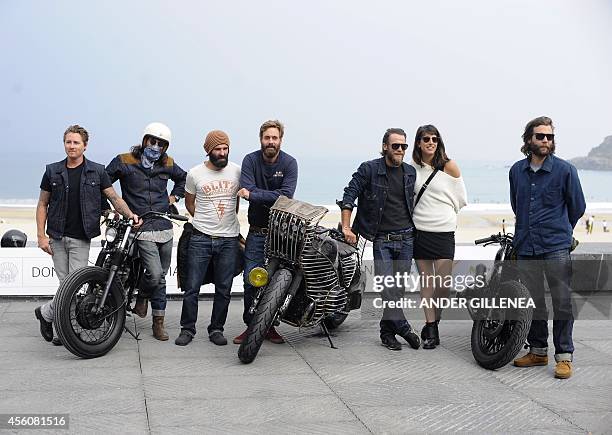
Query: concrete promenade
x=302, y=386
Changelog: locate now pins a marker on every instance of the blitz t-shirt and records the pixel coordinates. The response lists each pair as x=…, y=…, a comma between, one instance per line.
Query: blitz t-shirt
x=215, y=202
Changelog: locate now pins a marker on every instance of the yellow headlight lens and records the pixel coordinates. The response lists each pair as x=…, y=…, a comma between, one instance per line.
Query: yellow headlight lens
x=258, y=277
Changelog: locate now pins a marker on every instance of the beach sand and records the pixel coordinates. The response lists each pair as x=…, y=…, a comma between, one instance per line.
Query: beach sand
x=472, y=224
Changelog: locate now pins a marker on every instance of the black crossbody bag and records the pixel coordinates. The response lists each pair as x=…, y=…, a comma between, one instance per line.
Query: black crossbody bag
x=424, y=187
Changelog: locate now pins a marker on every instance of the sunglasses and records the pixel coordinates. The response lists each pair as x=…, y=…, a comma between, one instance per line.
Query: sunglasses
x=541, y=136
x=153, y=141
x=397, y=146
x=426, y=139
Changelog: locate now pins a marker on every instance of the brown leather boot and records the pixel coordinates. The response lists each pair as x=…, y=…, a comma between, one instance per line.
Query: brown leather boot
x=140, y=308
x=531, y=360
x=158, y=328
x=563, y=369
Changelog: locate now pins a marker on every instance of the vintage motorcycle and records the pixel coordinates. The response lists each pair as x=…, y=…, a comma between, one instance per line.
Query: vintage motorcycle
x=311, y=275
x=498, y=334
x=93, y=301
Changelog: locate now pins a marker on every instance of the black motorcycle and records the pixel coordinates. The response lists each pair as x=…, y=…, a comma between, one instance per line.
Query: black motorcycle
x=311, y=275
x=498, y=334
x=93, y=301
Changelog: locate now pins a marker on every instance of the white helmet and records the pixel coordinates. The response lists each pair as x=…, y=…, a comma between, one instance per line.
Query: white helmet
x=158, y=130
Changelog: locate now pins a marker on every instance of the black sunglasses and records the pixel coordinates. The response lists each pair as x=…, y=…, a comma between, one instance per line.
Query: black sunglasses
x=396, y=146
x=155, y=141
x=540, y=136
x=434, y=139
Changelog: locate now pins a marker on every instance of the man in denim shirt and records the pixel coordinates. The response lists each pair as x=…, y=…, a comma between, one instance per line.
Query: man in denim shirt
x=385, y=189
x=547, y=200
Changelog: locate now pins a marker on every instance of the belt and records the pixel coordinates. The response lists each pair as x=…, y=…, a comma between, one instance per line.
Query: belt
x=200, y=233
x=395, y=237
x=257, y=230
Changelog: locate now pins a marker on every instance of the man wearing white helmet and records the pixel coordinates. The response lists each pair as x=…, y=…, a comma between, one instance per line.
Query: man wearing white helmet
x=143, y=174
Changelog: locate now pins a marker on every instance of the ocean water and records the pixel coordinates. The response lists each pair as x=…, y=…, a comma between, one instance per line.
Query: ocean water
x=323, y=182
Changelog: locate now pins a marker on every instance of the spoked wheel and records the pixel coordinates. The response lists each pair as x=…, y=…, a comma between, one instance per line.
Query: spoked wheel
x=499, y=338
x=83, y=331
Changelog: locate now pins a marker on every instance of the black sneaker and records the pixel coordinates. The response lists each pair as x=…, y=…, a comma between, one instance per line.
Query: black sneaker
x=218, y=338
x=46, y=328
x=183, y=339
x=411, y=337
x=390, y=342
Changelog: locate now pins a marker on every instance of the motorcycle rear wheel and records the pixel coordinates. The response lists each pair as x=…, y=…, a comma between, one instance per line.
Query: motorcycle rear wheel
x=84, y=334
x=496, y=342
x=270, y=302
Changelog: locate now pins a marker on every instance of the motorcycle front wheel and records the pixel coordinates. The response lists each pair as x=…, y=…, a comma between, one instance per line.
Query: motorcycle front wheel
x=496, y=341
x=85, y=333
x=268, y=306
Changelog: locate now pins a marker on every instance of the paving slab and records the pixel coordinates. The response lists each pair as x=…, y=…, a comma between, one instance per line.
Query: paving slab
x=146, y=386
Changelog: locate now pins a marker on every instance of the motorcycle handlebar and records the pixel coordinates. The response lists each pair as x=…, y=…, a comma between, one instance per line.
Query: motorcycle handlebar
x=485, y=240
x=178, y=217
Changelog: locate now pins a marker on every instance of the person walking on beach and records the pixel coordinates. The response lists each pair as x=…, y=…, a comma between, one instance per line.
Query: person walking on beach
x=590, y=224
x=266, y=174
x=143, y=174
x=210, y=197
x=440, y=195
x=604, y=225
x=547, y=199
x=384, y=188
x=70, y=207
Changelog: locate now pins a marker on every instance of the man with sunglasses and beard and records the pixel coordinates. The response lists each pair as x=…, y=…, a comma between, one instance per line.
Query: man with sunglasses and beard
x=547, y=199
x=384, y=189
x=266, y=174
x=144, y=173
x=210, y=197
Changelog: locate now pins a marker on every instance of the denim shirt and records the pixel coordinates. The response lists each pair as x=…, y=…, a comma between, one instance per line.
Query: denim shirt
x=145, y=190
x=370, y=187
x=547, y=205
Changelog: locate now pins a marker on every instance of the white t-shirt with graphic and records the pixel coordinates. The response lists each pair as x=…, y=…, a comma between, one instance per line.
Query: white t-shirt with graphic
x=215, y=202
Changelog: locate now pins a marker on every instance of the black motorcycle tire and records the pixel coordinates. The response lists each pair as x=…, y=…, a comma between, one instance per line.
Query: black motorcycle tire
x=515, y=339
x=268, y=306
x=64, y=297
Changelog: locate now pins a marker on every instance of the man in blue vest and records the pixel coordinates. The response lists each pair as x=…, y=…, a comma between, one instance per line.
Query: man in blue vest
x=70, y=206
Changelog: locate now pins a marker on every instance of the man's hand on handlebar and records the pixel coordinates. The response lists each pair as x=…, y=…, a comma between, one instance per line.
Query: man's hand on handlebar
x=349, y=235
x=137, y=221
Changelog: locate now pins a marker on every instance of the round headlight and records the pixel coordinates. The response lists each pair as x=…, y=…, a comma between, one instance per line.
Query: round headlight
x=110, y=235
x=258, y=277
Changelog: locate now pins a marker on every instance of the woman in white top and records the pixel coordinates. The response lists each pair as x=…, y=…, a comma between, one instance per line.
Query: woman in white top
x=435, y=218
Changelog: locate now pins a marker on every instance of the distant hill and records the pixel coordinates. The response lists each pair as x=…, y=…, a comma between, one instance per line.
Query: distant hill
x=598, y=159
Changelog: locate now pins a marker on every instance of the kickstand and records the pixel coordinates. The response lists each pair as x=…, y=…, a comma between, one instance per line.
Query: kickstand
x=136, y=336
x=324, y=328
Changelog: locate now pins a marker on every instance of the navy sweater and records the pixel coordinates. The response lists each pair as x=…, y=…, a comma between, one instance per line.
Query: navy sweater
x=266, y=183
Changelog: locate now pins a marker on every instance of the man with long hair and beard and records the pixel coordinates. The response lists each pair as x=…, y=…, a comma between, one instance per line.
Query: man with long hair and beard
x=144, y=173
x=210, y=197
x=547, y=200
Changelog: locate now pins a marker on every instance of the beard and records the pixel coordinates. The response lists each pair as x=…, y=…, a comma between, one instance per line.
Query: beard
x=541, y=151
x=270, y=151
x=219, y=162
x=393, y=159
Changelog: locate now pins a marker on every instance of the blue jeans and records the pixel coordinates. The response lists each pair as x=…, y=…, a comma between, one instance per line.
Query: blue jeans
x=203, y=249
x=390, y=258
x=254, y=255
x=557, y=268
x=156, y=259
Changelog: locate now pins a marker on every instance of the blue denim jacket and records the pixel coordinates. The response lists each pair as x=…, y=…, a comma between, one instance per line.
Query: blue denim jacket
x=547, y=205
x=369, y=185
x=145, y=190
x=90, y=198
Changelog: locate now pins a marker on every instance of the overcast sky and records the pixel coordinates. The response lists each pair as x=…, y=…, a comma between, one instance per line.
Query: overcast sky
x=337, y=73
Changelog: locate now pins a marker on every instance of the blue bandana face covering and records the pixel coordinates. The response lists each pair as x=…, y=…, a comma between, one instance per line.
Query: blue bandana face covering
x=150, y=155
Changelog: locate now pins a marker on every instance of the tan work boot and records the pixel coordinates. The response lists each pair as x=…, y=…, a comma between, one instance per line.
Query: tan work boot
x=563, y=369
x=158, y=328
x=140, y=308
x=531, y=360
